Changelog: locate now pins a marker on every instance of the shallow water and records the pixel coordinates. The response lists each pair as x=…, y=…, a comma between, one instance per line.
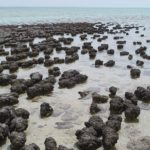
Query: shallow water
x=25, y=15
x=70, y=112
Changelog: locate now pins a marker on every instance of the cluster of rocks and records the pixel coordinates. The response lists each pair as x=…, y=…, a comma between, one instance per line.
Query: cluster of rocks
x=70, y=78
x=109, y=63
x=13, y=123
x=89, y=138
x=96, y=133
x=55, y=71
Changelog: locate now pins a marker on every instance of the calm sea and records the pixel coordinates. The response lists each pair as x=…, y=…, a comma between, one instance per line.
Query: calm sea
x=49, y=15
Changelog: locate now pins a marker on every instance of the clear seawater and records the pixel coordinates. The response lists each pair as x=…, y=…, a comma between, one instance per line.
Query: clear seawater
x=49, y=15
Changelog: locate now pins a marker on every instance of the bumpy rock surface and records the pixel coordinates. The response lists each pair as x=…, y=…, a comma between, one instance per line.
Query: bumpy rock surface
x=31, y=147
x=50, y=144
x=71, y=78
x=46, y=110
x=17, y=140
x=8, y=99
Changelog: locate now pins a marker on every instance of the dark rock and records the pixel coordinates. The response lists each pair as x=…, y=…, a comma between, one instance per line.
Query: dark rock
x=17, y=140
x=41, y=60
x=4, y=79
x=114, y=122
x=5, y=115
x=18, y=86
x=55, y=71
x=58, y=60
x=121, y=42
x=98, y=63
x=132, y=112
x=84, y=93
x=71, y=78
x=124, y=53
x=50, y=144
x=129, y=67
x=46, y=110
x=117, y=105
x=88, y=142
x=42, y=88
x=36, y=77
x=130, y=96
x=110, y=63
x=139, y=63
x=97, y=123
x=31, y=147
x=103, y=47
x=97, y=98
x=8, y=99
x=94, y=108
x=13, y=67
x=84, y=51
x=142, y=94
x=110, y=138
x=113, y=91
x=1, y=68
x=90, y=131
x=19, y=124
x=28, y=64
x=135, y=73
x=33, y=54
x=111, y=52
x=48, y=62
x=4, y=132
x=71, y=58
x=60, y=147
x=83, y=36
x=92, y=53
x=130, y=57
x=20, y=112
x=119, y=46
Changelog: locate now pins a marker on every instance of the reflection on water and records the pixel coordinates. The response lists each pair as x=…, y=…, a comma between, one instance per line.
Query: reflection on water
x=70, y=112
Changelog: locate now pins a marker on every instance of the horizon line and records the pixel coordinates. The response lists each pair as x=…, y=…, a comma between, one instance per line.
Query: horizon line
x=72, y=7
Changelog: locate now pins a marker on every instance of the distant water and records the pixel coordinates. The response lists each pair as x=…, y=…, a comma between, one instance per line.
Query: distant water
x=51, y=15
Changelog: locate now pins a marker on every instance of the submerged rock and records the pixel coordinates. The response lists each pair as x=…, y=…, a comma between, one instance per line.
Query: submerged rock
x=142, y=143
